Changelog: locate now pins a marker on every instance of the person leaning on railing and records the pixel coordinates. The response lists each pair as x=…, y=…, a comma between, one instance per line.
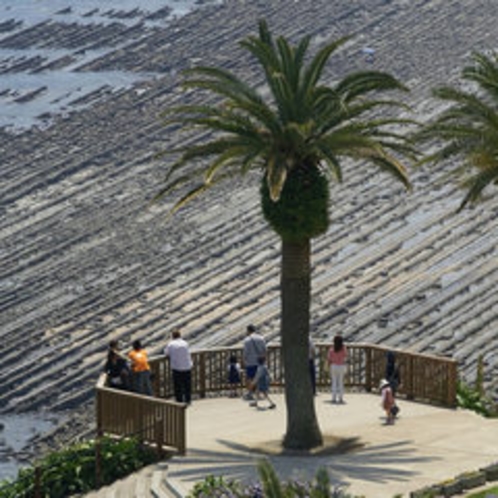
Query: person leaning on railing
x=140, y=368
x=116, y=368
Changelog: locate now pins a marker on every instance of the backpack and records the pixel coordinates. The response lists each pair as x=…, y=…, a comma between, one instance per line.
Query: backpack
x=233, y=374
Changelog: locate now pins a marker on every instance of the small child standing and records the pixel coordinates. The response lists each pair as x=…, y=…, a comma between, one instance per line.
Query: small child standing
x=261, y=384
x=387, y=402
x=233, y=376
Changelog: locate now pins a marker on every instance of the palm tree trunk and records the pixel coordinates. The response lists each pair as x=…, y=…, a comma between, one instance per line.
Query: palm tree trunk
x=303, y=431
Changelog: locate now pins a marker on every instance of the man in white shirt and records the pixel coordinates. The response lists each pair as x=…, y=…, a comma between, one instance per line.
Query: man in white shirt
x=254, y=349
x=181, y=367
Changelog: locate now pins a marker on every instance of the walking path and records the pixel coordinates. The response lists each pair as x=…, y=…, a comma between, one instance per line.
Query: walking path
x=426, y=445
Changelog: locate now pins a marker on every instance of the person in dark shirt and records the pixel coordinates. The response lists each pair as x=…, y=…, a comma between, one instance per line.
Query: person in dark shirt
x=394, y=378
x=116, y=368
x=392, y=372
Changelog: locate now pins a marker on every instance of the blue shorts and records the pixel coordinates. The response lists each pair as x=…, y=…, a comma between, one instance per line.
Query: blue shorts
x=251, y=371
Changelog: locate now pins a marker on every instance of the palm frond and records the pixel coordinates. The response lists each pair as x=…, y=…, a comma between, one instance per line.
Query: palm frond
x=191, y=195
x=361, y=83
x=392, y=166
x=315, y=68
x=328, y=156
x=287, y=63
x=364, y=107
x=230, y=157
x=276, y=174
x=300, y=122
x=477, y=183
x=172, y=186
x=484, y=72
x=202, y=151
x=227, y=81
x=466, y=107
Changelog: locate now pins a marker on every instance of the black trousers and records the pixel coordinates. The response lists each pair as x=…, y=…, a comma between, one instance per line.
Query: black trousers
x=182, y=384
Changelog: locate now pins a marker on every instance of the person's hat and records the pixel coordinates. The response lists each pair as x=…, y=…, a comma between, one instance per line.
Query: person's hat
x=383, y=383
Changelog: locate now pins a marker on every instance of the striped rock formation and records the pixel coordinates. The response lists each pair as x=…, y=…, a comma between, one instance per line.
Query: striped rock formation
x=85, y=259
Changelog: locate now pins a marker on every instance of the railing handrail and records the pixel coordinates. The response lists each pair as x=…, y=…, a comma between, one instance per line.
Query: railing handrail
x=442, y=359
x=139, y=396
x=354, y=345
x=366, y=367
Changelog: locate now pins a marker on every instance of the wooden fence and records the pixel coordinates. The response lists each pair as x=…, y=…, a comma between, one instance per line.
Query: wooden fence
x=426, y=378
x=150, y=419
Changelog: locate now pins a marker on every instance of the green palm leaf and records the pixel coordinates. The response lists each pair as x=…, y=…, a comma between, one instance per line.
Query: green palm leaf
x=468, y=128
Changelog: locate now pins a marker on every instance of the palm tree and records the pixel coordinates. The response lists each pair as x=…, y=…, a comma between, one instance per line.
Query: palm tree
x=295, y=132
x=468, y=128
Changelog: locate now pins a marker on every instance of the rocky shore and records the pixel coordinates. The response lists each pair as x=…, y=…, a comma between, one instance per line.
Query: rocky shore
x=85, y=259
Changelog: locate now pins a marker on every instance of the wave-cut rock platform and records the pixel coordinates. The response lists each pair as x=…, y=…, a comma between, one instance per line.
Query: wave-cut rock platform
x=84, y=259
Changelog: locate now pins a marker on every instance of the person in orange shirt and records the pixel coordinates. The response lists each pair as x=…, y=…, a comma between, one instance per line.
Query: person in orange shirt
x=337, y=362
x=140, y=368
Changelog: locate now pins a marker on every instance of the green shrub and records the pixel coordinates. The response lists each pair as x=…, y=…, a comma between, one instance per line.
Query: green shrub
x=72, y=470
x=470, y=398
x=270, y=486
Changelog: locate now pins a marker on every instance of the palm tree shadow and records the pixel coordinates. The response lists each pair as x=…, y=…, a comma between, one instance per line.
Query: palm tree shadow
x=333, y=445
x=380, y=463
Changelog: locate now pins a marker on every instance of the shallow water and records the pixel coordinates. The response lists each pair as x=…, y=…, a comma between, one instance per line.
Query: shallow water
x=57, y=89
x=16, y=431
x=30, y=98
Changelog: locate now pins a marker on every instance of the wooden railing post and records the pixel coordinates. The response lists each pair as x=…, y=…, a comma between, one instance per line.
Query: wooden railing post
x=368, y=368
x=37, y=484
x=409, y=378
x=98, y=405
x=452, y=384
x=159, y=438
x=98, y=461
x=202, y=375
x=182, y=447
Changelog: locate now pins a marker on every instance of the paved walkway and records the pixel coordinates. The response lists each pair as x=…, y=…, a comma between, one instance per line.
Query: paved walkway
x=427, y=444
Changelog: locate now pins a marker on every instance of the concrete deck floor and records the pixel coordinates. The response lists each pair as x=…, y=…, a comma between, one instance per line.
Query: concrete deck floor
x=426, y=445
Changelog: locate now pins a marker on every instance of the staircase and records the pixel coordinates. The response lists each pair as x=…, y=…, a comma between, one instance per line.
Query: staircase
x=149, y=482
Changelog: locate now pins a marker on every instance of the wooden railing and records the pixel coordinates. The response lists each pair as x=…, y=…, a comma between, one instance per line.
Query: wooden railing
x=159, y=421
x=150, y=419
x=427, y=378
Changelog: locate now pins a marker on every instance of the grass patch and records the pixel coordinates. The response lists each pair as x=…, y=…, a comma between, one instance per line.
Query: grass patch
x=487, y=493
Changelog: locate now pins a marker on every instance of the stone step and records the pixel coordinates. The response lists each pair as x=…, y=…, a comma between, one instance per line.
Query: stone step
x=149, y=482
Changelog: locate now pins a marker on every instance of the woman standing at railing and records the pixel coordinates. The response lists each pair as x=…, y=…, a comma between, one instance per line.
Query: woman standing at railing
x=337, y=362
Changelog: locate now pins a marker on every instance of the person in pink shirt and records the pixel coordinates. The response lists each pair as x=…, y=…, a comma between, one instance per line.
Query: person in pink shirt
x=388, y=403
x=337, y=362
